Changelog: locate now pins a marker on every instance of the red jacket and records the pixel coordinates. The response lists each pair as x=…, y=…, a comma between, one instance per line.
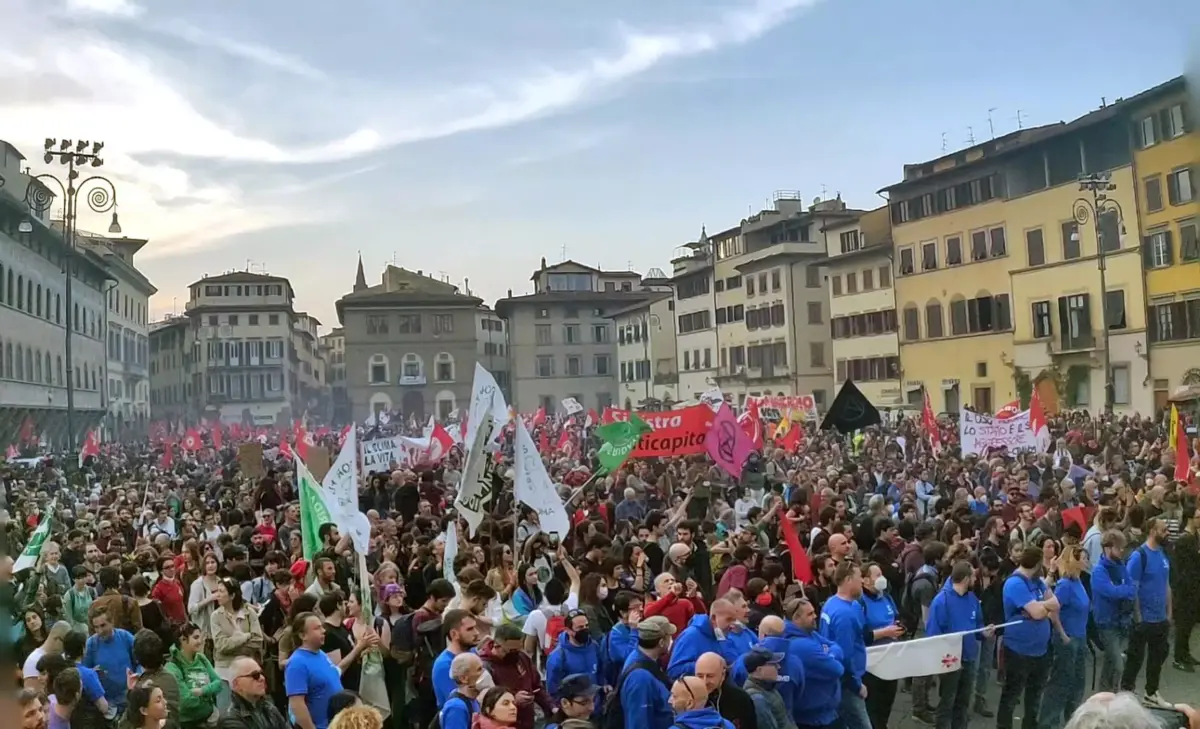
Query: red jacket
x=169, y=594
x=678, y=610
x=516, y=672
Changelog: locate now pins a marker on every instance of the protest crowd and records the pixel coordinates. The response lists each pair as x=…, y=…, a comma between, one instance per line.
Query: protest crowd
x=693, y=569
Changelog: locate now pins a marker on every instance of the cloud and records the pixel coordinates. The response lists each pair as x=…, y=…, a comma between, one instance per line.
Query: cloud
x=115, y=8
x=222, y=43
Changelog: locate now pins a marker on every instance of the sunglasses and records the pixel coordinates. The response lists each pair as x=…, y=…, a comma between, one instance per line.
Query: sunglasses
x=254, y=676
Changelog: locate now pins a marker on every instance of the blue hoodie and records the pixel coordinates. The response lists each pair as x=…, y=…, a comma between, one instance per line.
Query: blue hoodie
x=696, y=640
x=881, y=612
x=821, y=699
x=741, y=639
x=618, y=643
x=1112, y=594
x=567, y=659
x=645, y=701
x=1150, y=571
x=843, y=622
x=791, y=672
x=953, y=613
x=706, y=718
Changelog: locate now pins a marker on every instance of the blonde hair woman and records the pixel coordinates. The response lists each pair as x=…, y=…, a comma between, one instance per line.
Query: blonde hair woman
x=359, y=716
x=1064, y=692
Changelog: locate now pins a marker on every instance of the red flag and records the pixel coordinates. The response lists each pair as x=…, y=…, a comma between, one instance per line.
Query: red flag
x=344, y=434
x=543, y=441
x=27, y=437
x=440, y=443
x=285, y=450
x=191, y=442
x=1075, y=515
x=216, y=437
x=168, y=456
x=539, y=417
x=565, y=441
x=752, y=424
x=1181, y=454
x=791, y=440
x=303, y=441
x=91, y=447
x=12, y=453
x=929, y=424
x=801, y=567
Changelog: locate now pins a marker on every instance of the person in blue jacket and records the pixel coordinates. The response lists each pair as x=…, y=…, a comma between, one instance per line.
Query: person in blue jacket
x=818, y=705
x=883, y=626
x=579, y=653
x=791, y=670
x=463, y=702
x=1112, y=607
x=619, y=642
x=576, y=697
x=956, y=609
x=689, y=699
x=1068, y=672
x=1150, y=571
x=844, y=622
x=705, y=634
x=1026, y=664
x=741, y=638
x=642, y=692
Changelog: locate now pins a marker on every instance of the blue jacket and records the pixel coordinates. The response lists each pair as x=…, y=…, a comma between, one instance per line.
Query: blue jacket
x=457, y=712
x=1112, y=594
x=696, y=640
x=1150, y=571
x=952, y=613
x=645, y=701
x=706, y=718
x=741, y=639
x=567, y=659
x=617, y=645
x=881, y=611
x=844, y=622
x=791, y=672
x=821, y=699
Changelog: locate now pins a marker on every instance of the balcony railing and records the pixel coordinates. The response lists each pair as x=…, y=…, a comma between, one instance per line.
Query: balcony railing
x=666, y=378
x=1086, y=341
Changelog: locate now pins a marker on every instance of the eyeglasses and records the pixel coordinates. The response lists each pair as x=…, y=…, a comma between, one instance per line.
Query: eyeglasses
x=253, y=676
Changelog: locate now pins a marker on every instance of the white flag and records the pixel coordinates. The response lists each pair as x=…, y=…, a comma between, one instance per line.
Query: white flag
x=340, y=492
x=475, y=488
x=571, y=405
x=535, y=489
x=450, y=553
x=428, y=429
x=485, y=397
x=37, y=540
x=921, y=657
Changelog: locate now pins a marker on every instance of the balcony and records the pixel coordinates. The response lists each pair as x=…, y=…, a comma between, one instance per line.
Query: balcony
x=666, y=378
x=731, y=373
x=411, y=380
x=767, y=373
x=1086, y=341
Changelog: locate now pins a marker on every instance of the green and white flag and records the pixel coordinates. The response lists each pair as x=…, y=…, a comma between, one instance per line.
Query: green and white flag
x=37, y=540
x=313, y=510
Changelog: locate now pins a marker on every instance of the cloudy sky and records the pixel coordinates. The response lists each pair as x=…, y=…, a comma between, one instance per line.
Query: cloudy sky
x=471, y=138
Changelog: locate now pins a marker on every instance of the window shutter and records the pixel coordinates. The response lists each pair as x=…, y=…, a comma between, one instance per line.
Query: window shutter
x=1169, y=236
x=1139, y=141
x=1147, y=251
x=1173, y=188
x=1162, y=122
x=1064, y=321
x=1186, y=113
x=1087, y=316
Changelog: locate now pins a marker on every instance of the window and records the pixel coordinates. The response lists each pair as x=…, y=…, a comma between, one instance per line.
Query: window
x=762, y=282
x=776, y=279
x=885, y=276
x=906, y=261
x=933, y=320
x=443, y=370
x=1179, y=187
x=852, y=283
x=1189, y=242
x=1043, y=323
x=929, y=258
x=1110, y=231
x=212, y=320
x=1070, y=241
x=695, y=321
x=835, y=283
x=542, y=332
x=570, y=312
x=252, y=320
x=273, y=319
x=954, y=251
x=1074, y=314
x=1154, y=198
x=1146, y=132
x=749, y=286
x=378, y=373
x=1174, y=122
x=733, y=282
x=979, y=249
x=1114, y=309
x=601, y=365
x=998, y=241
x=1120, y=377
x=958, y=317
x=816, y=354
x=571, y=334
x=687, y=363
x=912, y=324
x=600, y=333
x=574, y=365
x=1035, y=248
x=849, y=241
x=691, y=287
x=443, y=323
x=543, y=314
x=814, y=312
x=233, y=320
x=409, y=324
x=377, y=324
x=1157, y=250
x=868, y=276
x=545, y=366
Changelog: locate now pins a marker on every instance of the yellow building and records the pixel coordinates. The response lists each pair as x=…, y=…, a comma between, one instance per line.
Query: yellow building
x=951, y=258
x=1166, y=161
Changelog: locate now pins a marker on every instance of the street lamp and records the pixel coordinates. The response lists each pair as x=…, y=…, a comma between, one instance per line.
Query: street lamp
x=101, y=197
x=1083, y=210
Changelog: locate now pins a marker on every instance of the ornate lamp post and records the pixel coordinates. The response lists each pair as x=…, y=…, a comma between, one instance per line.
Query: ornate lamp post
x=101, y=196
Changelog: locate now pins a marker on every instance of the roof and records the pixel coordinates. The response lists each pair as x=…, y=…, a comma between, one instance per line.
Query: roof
x=504, y=306
x=242, y=277
x=884, y=249
x=1023, y=139
x=654, y=298
x=570, y=262
x=168, y=323
x=402, y=300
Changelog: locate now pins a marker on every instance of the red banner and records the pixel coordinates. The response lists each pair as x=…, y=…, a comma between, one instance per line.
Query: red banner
x=675, y=432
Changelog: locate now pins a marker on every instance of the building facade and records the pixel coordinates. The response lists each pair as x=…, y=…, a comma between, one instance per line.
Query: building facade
x=1166, y=160
x=172, y=343
x=35, y=317
x=410, y=344
x=862, y=306
x=311, y=387
x=697, y=357
x=646, y=349
x=491, y=350
x=127, y=340
x=334, y=346
x=245, y=361
x=560, y=339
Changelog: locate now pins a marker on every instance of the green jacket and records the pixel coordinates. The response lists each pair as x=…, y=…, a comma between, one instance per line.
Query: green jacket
x=198, y=673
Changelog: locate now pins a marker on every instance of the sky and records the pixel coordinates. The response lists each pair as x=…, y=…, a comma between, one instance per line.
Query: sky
x=471, y=139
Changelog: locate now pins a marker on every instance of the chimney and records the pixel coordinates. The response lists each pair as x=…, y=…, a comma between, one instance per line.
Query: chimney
x=510, y=293
x=467, y=285
x=543, y=263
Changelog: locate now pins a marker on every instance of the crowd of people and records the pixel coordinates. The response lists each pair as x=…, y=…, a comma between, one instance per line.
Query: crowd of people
x=183, y=599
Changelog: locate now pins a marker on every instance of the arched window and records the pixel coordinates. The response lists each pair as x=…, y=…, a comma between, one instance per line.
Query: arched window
x=20, y=363
x=444, y=367
x=380, y=403
x=377, y=370
x=3, y=288
x=20, y=292
x=58, y=370
x=8, y=360
x=57, y=309
x=446, y=402
x=49, y=371
x=9, y=288
x=38, y=301
x=29, y=296
x=412, y=368
x=933, y=320
x=911, y=323
x=74, y=323
x=958, y=315
x=37, y=365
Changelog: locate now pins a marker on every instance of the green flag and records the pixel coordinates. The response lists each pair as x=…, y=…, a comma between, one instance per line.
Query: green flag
x=620, y=438
x=313, y=512
x=33, y=550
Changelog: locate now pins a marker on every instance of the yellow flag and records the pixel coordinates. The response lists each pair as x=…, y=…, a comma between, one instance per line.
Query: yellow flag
x=1173, y=430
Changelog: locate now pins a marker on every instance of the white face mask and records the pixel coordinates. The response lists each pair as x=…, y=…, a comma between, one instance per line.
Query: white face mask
x=881, y=584
x=718, y=633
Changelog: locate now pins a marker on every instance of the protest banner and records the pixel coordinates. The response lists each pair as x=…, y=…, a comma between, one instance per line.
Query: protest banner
x=980, y=432
x=378, y=454
x=250, y=460
x=793, y=408
x=673, y=432
x=318, y=461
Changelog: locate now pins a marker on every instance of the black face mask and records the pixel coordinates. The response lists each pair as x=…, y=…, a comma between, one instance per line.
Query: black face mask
x=581, y=636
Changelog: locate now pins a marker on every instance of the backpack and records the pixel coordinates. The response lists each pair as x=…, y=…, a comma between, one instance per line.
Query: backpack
x=555, y=625
x=613, y=716
x=404, y=640
x=437, y=718
x=430, y=642
x=910, y=605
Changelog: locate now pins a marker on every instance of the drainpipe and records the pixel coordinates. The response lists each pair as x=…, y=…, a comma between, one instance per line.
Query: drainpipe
x=1137, y=208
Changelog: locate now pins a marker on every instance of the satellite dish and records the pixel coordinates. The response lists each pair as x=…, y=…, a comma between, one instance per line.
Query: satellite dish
x=817, y=200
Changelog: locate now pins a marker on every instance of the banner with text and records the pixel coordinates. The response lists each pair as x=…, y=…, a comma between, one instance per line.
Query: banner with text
x=795, y=408
x=378, y=454
x=980, y=432
x=673, y=432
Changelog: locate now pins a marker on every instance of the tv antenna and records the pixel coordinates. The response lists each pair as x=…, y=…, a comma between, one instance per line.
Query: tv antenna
x=564, y=251
x=943, y=142
x=971, y=136
x=1020, y=119
x=991, y=125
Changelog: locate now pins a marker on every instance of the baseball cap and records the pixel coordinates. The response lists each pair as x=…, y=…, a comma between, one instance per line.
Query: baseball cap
x=576, y=613
x=655, y=628
x=577, y=686
x=759, y=657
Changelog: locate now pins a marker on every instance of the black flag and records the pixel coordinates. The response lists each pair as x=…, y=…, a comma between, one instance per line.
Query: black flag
x=850, y=411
